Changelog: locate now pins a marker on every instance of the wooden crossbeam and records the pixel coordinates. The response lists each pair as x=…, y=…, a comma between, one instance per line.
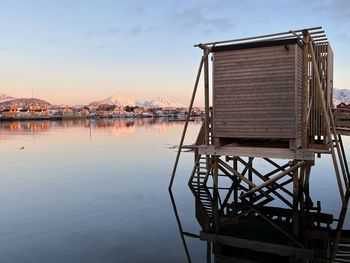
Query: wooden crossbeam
x=262, y=177
x=239, y=175
x=282, y=168
x=275, y=178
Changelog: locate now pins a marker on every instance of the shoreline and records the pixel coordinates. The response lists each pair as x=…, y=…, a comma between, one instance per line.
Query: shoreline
x=62, y=118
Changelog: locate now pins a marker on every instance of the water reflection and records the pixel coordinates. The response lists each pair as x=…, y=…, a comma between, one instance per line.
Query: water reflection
x=64, y=198
x=117, y=126
x=264, y=233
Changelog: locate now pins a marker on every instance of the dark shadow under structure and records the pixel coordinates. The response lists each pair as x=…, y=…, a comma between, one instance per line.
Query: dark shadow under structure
x=271, y=103
x=266, y=233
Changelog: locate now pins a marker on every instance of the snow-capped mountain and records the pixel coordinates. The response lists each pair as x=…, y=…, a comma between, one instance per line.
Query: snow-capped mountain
x=114, y=100
x=5, y=97
x=8, y=101
x=159, y=103
x=341, y=96
x=122, y=102
x=24, y=102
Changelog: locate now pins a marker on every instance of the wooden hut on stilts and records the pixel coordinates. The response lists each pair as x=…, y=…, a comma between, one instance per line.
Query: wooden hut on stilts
x=267, y=98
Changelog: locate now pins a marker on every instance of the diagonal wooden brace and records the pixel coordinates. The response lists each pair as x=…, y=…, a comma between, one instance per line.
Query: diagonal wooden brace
x=275, y=178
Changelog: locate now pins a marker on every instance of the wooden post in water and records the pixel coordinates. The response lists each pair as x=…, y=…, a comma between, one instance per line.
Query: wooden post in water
x=206, y=103
x=186, y=123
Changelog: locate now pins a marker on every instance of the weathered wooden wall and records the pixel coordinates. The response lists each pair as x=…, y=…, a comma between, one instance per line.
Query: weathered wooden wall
x=257, y=92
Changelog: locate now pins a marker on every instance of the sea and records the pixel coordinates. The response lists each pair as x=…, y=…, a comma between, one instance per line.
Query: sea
x=97, y=191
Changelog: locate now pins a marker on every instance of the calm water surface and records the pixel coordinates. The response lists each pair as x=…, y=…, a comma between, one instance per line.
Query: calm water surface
x=81, y=191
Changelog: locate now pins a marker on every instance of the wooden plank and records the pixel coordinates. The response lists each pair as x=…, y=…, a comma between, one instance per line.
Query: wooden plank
x=223, y=126
x=278, y=50
x=253, y=60
x=273, y=72
x=258, y=246
x=272, y=69
x=273, y=129
x=245, y=90
x=278, y=153
x=237, y=124
x=228, y=128
x=254, y=100
x=269, y=63
x=252, y=54
x=273, y=81
x=253, y=92
x=254, y=135
x=254, y=109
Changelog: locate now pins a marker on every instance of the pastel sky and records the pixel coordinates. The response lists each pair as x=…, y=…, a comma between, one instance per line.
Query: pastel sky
x=76, y=51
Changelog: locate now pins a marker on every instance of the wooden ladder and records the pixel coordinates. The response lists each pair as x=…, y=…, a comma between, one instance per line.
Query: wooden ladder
x=198, y=182
x=343, y=250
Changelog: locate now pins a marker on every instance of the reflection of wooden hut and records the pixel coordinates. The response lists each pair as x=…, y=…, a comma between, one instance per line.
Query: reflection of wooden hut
x=257, y=233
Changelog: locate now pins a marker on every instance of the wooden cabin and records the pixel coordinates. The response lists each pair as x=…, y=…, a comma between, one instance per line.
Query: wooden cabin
x=271, y=98
x=257, y=92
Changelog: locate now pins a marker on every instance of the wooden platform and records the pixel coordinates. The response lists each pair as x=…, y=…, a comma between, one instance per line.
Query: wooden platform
x=262, y=152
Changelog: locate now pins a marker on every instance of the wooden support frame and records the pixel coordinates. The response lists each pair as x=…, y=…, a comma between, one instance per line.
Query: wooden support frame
x=273, y=187
x=289, y=182
x=328, y=117
x=296, y=249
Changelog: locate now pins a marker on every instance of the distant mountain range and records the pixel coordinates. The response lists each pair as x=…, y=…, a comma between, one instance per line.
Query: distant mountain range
x=24, y=102
x=339, y=96
x=7, y=101
x=122, y=102
x=4, y=98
